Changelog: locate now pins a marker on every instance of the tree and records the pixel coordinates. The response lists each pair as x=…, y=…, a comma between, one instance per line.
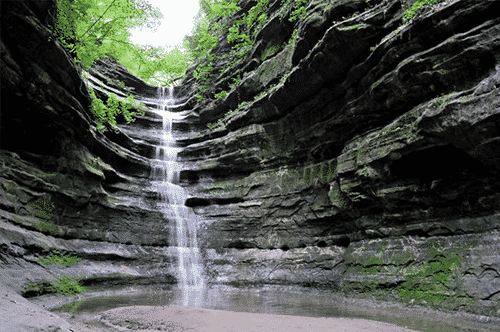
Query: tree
x=96, y=29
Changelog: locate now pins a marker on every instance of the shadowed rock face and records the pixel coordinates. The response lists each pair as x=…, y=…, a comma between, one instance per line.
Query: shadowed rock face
x=365, y=158
x=64, y=185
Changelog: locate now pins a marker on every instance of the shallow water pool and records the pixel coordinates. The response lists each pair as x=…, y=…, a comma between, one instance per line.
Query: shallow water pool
x=296, y=301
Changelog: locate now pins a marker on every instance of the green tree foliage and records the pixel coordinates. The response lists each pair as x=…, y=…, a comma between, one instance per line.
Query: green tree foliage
x=96, y=29
x=213, y=22
x=205, y=36
x=299, y=10
x=106, y=113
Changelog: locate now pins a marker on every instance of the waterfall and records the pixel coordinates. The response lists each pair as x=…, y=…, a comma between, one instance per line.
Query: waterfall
x=172, y=197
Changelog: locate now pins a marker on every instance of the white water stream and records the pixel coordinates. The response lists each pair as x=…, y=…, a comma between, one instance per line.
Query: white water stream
x=181, y=219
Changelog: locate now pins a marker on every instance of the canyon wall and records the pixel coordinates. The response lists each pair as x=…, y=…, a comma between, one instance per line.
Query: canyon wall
x=66, y=188
x=357, y=153
x=362, y=156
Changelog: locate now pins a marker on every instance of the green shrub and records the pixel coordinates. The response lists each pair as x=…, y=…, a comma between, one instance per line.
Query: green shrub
x=222, y=94
x=199, y=97
x=63, y=285
x=236, y=81
x=299, y=10
x=417, y=7
x=208, y=27
x=57, y=258
x=106, y=113
x=205, y=36
x=67, y=286
x=217, y=124
x=243, y=104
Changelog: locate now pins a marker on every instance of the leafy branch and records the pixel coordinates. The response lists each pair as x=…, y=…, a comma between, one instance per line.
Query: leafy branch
x=97, y=29
x=106, y=113
x=100, y=17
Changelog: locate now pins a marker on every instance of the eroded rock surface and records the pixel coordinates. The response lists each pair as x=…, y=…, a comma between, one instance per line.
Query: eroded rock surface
x=365, y=157
x=65, y=187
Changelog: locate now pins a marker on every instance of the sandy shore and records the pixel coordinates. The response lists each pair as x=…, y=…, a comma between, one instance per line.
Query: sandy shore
x=173, y=318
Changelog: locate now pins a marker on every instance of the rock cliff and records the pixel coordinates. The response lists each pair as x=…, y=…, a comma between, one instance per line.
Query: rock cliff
x=363, y=155
x=66, y=187
x=357, y=153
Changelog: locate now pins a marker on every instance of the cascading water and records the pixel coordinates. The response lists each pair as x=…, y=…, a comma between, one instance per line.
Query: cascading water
x=172, y=197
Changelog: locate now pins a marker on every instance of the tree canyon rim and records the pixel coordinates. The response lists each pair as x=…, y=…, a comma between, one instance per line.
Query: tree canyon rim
x=378, y=178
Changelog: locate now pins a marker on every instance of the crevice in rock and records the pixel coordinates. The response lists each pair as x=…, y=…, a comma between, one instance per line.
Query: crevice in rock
x=432, y=163
x=285, y=247
x=195, y=201
x=321, y=244
x=239, y=244
x=229, y=200
x=342, y=241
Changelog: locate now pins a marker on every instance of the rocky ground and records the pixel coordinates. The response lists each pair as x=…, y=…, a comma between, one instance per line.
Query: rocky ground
x=18, y=315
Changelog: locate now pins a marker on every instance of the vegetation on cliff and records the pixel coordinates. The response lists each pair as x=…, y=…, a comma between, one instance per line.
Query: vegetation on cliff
x=62, y=285
x=213, y=22
x=417, y=7
x=92, y=30
x=56, y=257
x=222, y=19
x=106, y=113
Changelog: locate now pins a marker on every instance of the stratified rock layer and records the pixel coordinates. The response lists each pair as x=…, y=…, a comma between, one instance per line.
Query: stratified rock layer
x=370, y=164
x=65, y=187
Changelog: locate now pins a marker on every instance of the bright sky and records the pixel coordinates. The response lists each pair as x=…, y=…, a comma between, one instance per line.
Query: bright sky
x=177, y=22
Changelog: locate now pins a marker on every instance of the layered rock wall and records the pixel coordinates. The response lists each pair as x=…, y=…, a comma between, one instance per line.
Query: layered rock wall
x=64, y=185
x=363, y=156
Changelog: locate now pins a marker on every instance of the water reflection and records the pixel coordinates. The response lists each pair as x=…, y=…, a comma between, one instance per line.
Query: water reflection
x=270, y=300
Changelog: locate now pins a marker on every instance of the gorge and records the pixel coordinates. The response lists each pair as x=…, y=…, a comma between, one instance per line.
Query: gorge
x=348, y=152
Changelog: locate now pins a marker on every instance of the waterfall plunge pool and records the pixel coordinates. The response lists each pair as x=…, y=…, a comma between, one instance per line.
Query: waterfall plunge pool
x=280, y=300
